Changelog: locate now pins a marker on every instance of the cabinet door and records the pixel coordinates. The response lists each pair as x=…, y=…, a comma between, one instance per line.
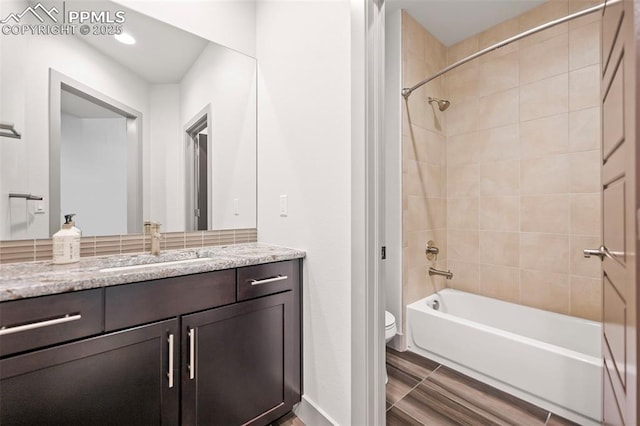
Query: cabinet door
x=116, y=379
x=239, y=363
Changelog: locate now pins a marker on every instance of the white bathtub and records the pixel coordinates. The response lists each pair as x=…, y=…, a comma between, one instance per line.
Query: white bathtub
x=551, y=360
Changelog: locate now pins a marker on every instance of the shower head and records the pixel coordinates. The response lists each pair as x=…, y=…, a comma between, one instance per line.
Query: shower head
x=442, y=103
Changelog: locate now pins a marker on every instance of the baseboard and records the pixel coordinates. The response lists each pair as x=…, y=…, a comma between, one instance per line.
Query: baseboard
x=312, y=415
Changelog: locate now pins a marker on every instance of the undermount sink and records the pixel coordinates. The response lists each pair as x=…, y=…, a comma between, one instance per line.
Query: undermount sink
x=155, y=265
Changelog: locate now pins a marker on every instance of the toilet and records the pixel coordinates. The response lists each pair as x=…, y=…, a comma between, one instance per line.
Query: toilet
x=390, y=330
x=389, y=326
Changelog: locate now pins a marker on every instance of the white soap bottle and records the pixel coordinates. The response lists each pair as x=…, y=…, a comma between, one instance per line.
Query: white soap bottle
x=66, y=242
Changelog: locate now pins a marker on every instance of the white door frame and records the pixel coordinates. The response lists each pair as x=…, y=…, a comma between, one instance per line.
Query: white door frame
x=367, y=346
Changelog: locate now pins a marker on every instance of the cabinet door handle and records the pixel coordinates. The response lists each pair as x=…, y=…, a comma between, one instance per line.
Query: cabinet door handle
x=269, y=280
x=170, y=373
x=39, y=324
x=192, y=353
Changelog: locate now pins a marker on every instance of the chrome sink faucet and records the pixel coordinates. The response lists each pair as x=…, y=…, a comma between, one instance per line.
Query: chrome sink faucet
x=153, y=229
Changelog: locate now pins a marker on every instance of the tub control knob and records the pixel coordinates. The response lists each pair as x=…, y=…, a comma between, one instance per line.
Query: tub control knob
x=432, y=251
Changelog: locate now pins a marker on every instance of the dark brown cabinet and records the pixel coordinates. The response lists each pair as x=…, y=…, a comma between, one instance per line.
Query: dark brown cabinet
x=115, y=379
x=245, y=379
x=226, y=352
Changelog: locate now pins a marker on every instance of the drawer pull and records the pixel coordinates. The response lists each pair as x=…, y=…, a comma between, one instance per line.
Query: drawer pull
x=192, y=353
x=39, y=324
x=269, y=280
x=170, y=373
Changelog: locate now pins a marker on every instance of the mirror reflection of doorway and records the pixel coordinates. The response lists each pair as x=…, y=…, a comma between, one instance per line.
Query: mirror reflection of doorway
x=198, y=147
x=93, y=165
x=95, y=153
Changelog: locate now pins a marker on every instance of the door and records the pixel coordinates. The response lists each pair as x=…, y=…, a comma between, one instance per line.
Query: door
x=122, y=378
x=620, y=204
x=239, y=363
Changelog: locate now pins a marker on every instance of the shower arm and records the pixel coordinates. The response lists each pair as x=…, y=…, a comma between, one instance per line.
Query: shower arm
x=406, y=92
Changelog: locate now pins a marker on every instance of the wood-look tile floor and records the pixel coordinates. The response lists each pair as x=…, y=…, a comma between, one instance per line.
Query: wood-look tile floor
x=423, y=392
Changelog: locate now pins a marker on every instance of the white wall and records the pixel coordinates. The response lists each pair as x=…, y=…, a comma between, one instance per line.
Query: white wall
x=167, y=185
x=231, y=23
x=393, y=168
x=227, y=82
x=93, y=160
x=304, y=151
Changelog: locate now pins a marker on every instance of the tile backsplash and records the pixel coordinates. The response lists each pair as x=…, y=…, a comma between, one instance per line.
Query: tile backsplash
x=36, y=250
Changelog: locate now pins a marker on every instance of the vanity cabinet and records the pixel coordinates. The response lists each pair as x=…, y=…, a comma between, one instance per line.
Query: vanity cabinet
x=118, y=379
x=218, y=348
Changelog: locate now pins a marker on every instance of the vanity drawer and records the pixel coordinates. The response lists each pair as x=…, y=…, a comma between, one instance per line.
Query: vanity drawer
x=134, y=304
x=261, y=280
x=42, y=321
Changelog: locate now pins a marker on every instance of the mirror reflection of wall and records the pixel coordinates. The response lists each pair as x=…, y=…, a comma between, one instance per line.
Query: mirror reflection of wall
x=168, y=75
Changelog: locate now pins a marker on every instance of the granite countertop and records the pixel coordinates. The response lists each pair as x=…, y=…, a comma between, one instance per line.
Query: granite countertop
x=22, y=280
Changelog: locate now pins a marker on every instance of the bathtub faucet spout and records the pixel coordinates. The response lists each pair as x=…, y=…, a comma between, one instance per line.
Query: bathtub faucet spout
x=447, y=274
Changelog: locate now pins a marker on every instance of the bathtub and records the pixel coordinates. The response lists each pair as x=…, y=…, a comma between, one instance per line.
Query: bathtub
x=551, y=360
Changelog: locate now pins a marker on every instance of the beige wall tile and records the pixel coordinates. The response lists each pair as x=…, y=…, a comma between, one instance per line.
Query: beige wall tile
x=462, y=213
x=499, y=178
x=545, y=290
x=584, y=129
x=545, y=213
x=585, y=171
x=463, y=149
x=544, y=98
x=413, y=37
x=498, y=32
x=498, y=109
x=584, y=45
x=466, y=276
x=499, y=213
x=500, y=248
x=498, y=74
x=585, y=267
x=461, y=49
x=544, y=252
x=424, y=145
x=462, y=181
x=422, y=214
x=584, y=88
x=462, y=116
x=462, y=245
x=542, y=14
x=499, y=143
x=586, y=298
x=422, y=179
x=463, y=82
x=546, y=175
x=544, y=136
x=545, y=59
x=435, y=53
x=577, y=5
x=417, y=286
x=500, y=282
x=586, y=214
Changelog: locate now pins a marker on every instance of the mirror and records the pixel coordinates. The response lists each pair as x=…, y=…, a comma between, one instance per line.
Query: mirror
x=162, y=130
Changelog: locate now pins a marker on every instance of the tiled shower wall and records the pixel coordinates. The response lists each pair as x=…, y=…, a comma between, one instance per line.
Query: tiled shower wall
x=522, y=165
x=423, y=162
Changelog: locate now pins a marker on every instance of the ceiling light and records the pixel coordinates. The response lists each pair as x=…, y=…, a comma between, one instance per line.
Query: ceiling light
x=125, y=38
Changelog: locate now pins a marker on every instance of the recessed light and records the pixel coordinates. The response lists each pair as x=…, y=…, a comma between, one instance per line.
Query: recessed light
x=125, y=38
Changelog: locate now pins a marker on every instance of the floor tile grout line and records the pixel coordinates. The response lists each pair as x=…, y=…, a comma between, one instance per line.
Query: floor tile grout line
x=413, y=388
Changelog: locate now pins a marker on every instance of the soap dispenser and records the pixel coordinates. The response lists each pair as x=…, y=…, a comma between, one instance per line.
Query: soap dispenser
x=66, y=242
